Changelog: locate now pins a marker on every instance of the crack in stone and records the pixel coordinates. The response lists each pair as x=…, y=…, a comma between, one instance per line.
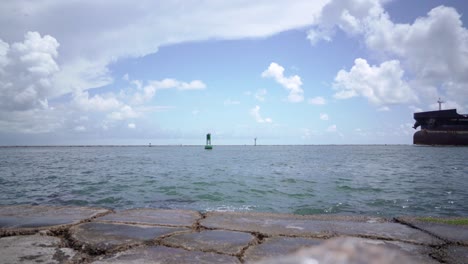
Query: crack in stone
x=138, y=223
x=197, y=225
x=258, y=239
x=424, y=231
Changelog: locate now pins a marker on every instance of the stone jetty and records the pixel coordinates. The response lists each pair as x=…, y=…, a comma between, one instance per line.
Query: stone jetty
x=50, y=234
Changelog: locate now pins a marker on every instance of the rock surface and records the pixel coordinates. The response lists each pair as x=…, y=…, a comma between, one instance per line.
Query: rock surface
x=23, y=217
x=179, y=218
x=98, y=237
x=34, y=249
x=346, y=251
x=278, y=246
x=455, y=255
x=83, y=235
x=163, y=255
x=219, y=241
x=451, y=233
x=316, y=226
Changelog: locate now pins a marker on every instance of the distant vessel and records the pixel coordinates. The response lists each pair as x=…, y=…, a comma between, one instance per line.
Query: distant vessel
x=443, y=127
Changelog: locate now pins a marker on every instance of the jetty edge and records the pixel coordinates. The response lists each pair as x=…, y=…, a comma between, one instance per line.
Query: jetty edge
x=68, y=234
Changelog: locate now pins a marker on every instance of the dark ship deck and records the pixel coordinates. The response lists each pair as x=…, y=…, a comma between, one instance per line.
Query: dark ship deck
x=443, y=127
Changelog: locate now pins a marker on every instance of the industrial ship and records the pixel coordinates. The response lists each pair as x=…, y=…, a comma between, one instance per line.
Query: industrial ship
x=442, y=127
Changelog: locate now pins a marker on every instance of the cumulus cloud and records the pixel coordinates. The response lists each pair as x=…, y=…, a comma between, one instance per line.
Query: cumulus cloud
x=26, y=72
x=96, y=103
x=292, y=84
x=432, y=51
x=125, y=112
x=131, y=125
x=255, y=113
x=317, y=101
x=128, y=30
x=351, y=16
x=381, y=84
x=147, y=92
x=324, y=116
x=33, y=121
x=332, y=129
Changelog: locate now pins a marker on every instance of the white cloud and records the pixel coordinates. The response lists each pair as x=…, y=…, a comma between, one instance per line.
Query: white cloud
x=292, y=84
x=351, y=16
x=131, y=125
x=383, y=109
x=125, y=112
x=173, y=83
x=31, y=75
x=432, y=50
x=415, y=108
x=381, y=84
x=317, y=101
x=26, y=71
x=231, y=102
x=324, y=116
x=332, y=129
x=80, y=129
x=128, y=30
x=147, y=92
x=260, y=95
x=34, y=121
x=255, y=113
x=308, y=133
x=96, y=103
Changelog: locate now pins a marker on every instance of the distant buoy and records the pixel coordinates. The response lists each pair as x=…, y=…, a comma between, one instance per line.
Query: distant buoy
x=208, y=142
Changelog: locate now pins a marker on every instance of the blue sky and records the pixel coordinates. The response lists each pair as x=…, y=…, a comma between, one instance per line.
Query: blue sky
x=286, y=72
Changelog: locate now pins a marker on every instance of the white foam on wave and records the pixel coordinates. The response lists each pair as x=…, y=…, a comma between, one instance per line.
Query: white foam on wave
x=231, y=208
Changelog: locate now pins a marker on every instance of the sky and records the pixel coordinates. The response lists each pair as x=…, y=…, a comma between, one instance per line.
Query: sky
x=284, y=72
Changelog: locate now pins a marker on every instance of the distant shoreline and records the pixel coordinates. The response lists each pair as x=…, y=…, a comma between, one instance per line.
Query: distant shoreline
x=188, y=145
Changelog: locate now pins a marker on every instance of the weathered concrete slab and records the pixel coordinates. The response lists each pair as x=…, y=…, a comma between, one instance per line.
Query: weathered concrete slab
x=278, y=246
x=219, y=241
x=449, y=232
x=344, y=251
x=184, y=218
x=34, y=249
x=454, y=255
x=163, y=255
x=316, y=226
x=281, y=246
x=98, y=237
x=420, y=253
x=42, y=217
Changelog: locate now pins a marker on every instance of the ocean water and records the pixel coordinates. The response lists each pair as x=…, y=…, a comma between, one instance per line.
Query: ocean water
x=369, y=180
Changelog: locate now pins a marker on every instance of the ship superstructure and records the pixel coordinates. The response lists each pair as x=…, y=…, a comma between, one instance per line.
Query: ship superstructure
x=443, y=127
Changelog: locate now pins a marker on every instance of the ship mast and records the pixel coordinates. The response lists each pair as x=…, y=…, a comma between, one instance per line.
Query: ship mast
x=440, y=103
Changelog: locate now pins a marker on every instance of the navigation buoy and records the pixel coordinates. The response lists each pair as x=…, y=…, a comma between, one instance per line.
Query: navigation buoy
x=208, y=142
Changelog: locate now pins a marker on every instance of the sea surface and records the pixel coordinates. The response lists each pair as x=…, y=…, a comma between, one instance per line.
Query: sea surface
x=353, y=180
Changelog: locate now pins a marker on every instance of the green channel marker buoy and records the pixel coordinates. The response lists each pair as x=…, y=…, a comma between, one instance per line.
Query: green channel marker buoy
x=208, y=142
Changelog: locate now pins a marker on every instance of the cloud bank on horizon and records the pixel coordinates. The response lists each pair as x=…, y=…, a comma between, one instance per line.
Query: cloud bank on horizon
x=57, y=75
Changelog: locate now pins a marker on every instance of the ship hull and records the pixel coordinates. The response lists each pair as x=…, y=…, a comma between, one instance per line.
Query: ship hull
x=437, y=137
